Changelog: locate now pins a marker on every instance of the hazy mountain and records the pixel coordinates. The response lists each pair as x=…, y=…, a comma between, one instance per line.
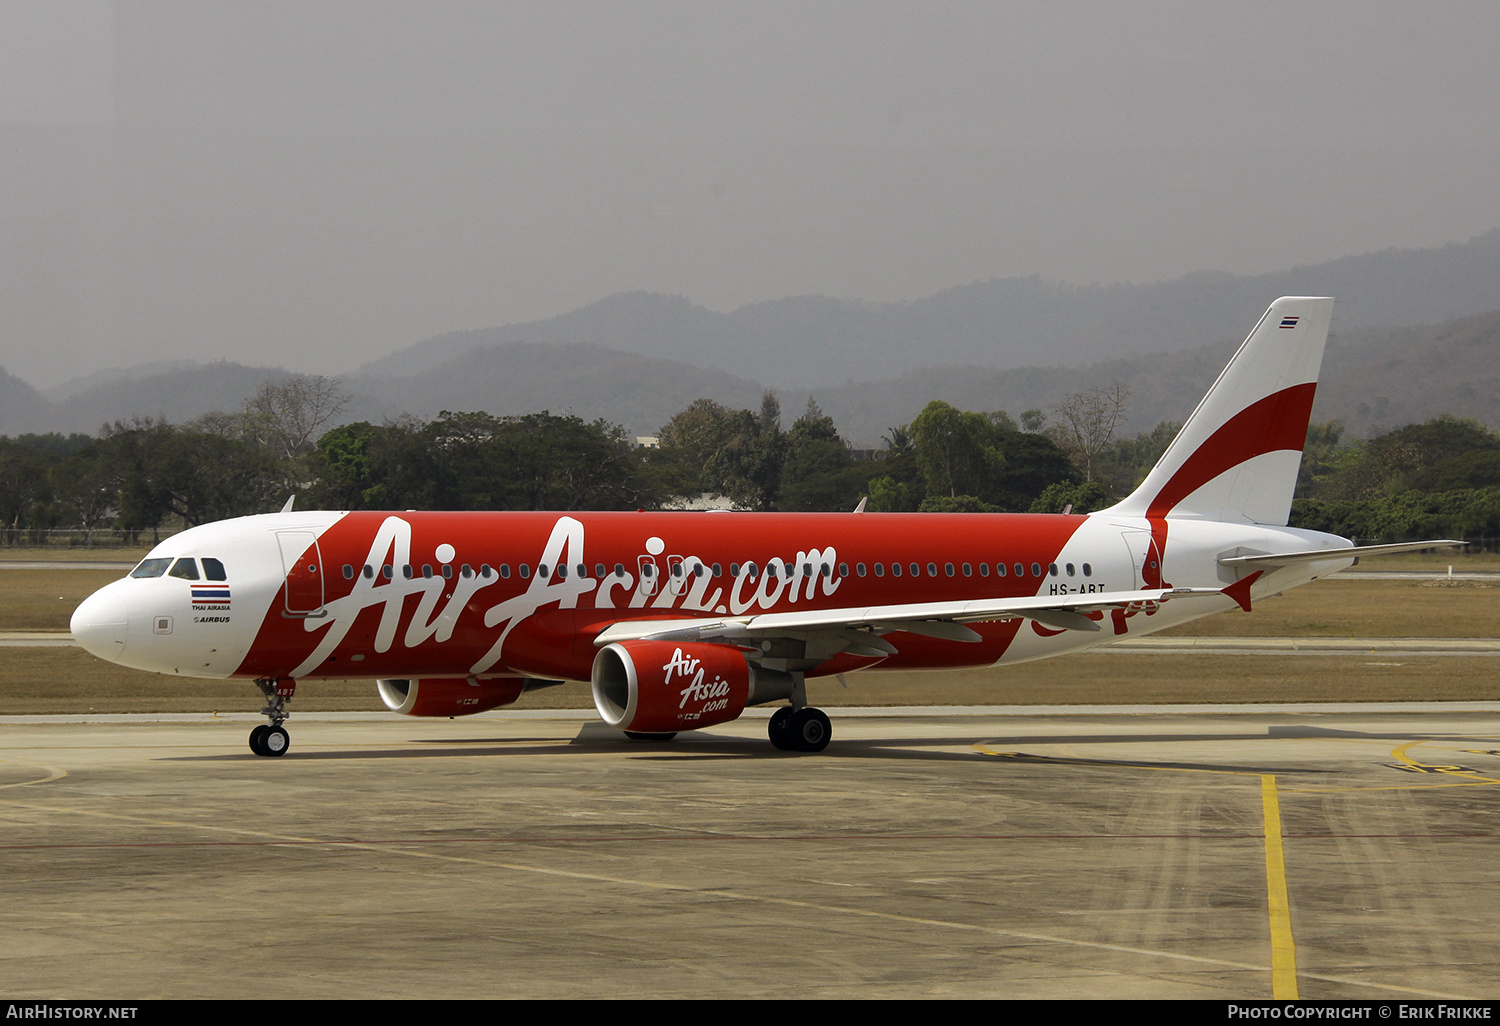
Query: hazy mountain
x=639, y=392
x=1375, y=376
x=807, y=341
x=1372, y=380
x=20, y=405
x=110, y=375
x=178, y=395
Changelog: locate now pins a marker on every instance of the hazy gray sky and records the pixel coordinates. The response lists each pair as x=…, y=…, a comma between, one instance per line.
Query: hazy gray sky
x=315, y=184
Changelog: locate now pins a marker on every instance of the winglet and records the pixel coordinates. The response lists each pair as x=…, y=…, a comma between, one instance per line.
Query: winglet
x=1240, y=590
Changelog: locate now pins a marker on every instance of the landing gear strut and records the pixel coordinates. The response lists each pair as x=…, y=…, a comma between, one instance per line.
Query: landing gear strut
x=271, y=739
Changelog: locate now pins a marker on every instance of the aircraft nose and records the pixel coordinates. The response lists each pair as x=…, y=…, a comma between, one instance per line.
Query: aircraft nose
x=99, y=624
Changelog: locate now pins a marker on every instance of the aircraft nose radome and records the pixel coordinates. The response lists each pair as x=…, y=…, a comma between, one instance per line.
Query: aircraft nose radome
x=99, y=624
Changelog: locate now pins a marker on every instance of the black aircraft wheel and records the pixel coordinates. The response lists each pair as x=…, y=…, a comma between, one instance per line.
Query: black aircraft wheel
x=258, y=739
x=777, y=729
x=809, y=730
x=639, y=735
x=275, y=741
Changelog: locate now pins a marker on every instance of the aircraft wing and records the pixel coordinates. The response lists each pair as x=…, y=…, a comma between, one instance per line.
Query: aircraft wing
x=863, y=626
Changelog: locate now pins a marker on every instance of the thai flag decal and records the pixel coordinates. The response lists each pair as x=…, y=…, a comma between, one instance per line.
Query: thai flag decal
x=210, y=594
x=1289, y=322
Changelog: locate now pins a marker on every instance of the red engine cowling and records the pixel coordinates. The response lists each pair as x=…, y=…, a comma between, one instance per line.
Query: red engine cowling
x=657, y=687
x=449, y=696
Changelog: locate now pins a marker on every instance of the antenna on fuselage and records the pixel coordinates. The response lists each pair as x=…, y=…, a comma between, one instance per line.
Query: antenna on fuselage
x=289, y=500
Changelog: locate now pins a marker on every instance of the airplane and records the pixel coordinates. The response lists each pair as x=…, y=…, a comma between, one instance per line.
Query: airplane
x=681, y=620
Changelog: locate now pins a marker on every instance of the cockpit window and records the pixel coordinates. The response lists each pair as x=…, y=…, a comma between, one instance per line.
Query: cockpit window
x=213, y=570
x=185, y=568
x=151, y=568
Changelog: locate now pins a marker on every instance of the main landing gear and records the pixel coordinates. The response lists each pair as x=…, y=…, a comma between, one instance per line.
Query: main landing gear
x=271, y=739
x=799, y=727
x=800, y=730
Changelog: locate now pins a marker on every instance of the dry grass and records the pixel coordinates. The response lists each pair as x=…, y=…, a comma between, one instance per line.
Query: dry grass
x=1436, y=561
x=72, y=554
x=43, y=600
x=1346, y=607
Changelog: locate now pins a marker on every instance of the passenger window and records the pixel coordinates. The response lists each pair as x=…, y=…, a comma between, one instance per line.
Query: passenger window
x=999, y=569
x=968, y=570
x=1088, y=571
x=187, y=569
x=879, y=569
x=213, y=570
x=466, y=571
x=896, y=569
x=948, y=569
x=369, y=572
x=524, y=570
x=984, y=570
x=1036, y=569
x=151, y=568
x=916, y=571
x=1020, y=570
x=1052, y=569
x=348, y=570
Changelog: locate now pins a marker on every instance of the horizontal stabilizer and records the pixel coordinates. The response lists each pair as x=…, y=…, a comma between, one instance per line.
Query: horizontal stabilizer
x=1320, y=555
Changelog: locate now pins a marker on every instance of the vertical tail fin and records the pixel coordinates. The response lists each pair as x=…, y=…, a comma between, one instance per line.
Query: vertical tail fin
x=1236, y=458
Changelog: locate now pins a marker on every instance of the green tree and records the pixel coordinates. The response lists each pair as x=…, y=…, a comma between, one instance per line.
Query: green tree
x=819, y=472
x=959, y=452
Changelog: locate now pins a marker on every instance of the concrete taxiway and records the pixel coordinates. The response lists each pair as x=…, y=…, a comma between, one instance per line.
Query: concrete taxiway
x=1205, y=852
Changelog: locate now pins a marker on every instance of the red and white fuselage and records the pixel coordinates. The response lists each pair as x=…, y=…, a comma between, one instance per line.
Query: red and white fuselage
x=321, y=594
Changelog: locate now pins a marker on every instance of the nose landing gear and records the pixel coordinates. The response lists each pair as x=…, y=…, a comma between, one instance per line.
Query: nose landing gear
x=271, y=739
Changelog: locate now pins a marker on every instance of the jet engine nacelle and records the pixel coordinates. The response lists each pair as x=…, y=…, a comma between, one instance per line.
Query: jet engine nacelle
x=658, y=687
x=449, y=696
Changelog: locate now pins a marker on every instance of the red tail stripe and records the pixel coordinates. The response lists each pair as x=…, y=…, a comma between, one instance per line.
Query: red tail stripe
x=1277, y=422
